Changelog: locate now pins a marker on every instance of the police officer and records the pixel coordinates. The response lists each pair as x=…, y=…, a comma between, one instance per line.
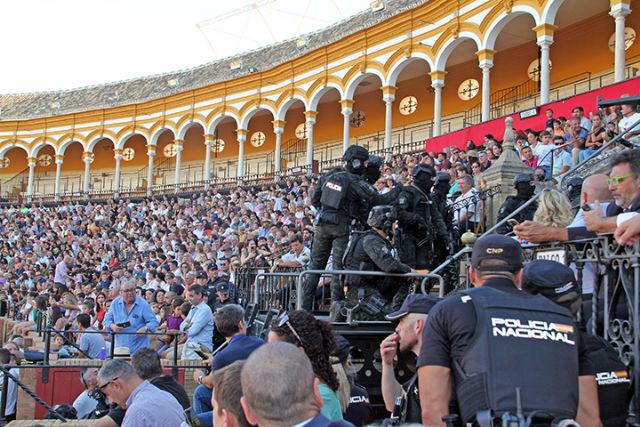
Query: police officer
x=337, y=197
x=574, y=191
x=371, y=175
x=409, y=322
x=372, y=251
x=557, y=282
x=523, y=183
x=503, y=350
x=439, y=195
x=419, y=221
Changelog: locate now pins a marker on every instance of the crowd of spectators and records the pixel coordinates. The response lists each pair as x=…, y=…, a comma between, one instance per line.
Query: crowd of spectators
x=143, y=275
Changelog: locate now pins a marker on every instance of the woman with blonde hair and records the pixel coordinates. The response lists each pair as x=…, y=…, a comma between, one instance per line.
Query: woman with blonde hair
x=554, y=209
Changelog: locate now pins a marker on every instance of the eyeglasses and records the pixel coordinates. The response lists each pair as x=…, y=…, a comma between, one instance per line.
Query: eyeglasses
x=128, y=291
x=615, y=180
x=284, y=320
x=105, y=385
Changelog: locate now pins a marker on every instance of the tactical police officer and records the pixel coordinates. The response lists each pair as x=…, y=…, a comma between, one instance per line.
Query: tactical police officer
x=523, y=183
x=419, y=220
x=338, y=197
x=439, y=195
x=371, y=175
x=372, y=251
x=507, y=353
x=557, y=282
x=574, y=190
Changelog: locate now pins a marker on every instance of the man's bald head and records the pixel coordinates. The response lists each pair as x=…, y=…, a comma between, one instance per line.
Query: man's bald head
x=278, y=386
x=594, y=188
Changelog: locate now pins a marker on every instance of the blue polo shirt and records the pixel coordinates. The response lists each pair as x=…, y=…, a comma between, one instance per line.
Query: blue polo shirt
x=240, y=347
x=139, y=315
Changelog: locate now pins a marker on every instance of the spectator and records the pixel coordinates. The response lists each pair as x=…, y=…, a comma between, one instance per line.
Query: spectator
x=130, y=313
x=147, y=405
x=630, y=116
x=528, y=158
x=467, y=215
x=271, y=396
x=229, y=322
x=85, y=405
x=576, y=135
x=298, y=256
x=561, y=158
x=554, y=209
x=578, y=113
x=317, y=340
x=548, y=124
x=226, y=401
x=543, y=150
x=90, y=342
x=10, y=359
x=198, y=325
x=596, y=138
x=146, y=363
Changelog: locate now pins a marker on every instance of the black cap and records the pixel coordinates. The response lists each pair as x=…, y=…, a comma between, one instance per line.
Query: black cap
x=415, y=303
x=343, y=347
x=201, y=275
x=553, y=280
x=222, y=287
x=496, y=247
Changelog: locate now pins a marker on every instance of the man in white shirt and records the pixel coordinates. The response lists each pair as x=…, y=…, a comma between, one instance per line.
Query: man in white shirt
x=298, y=256
x=543, y=149
x=466, y=209
x=630, y=117
x=84, y=404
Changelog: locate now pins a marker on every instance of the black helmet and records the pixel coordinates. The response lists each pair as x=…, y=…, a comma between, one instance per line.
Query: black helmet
x=574, y=183
x=382, y=217
x=356, y=152
x=374, y=162
x=442, y=177
x=423, y=167
x=522, y=178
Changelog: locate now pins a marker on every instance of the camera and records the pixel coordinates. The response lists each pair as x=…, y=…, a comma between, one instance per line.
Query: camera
x=102, y=408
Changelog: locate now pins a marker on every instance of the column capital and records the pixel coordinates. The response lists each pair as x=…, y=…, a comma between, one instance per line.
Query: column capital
x=485, y=55
x=437, y=76
x=209, y=138
x=278, y=124
x=619, y=8
x=389, y=91
x=117, y=153
x=310, y=115
x=178, y=142
x=59, y=159
x=32, y=161
x=151, y=149
x=87, y=156
x=545, y=32
x=242, y=134
x=346, y=104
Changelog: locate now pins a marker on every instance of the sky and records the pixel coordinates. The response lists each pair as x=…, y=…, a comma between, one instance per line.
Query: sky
x=64, y=44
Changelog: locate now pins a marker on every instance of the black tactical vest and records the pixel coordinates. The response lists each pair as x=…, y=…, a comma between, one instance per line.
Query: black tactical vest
x=355, y=258
x=520, y=342
x=336, y=195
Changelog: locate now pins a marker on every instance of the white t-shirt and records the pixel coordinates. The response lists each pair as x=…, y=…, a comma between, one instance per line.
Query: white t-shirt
x=627, y=122
x=543, y=153
x=474, y=208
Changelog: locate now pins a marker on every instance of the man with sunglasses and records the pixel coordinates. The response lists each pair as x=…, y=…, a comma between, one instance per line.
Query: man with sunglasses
x=146, y=404
x=624, y=184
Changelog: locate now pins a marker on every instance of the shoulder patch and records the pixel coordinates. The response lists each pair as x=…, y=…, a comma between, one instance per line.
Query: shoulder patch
x=465, y=299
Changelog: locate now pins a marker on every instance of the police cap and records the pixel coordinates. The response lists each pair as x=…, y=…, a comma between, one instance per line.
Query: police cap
x=442, y=177
x=415, y=303
x=356, y=152
x=222, y=288
x=553, y=280
x=422, y=167
x=522, y=178
x=498, y=252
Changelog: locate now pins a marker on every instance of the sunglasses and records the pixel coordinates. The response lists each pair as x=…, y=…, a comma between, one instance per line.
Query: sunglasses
x=284, y=320
x=615, y=180
x=105, y=385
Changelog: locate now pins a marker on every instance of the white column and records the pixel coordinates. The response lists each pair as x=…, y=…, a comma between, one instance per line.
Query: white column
x=208, y=141
x=86, y=157
x=486, y=90
x=278, y=154
x=347, y=109
x=619, y=12
x=242, y=138
x=32, y=161
x=388, y=124
x=310, y=121
x=151, y=152
x=178, y=143
x=118, y=156
x=59, y=160
x=437, y=106
x=545, y=72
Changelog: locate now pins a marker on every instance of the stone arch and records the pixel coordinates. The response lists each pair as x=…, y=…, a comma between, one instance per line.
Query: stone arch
x=249, y=113
x=186, y=124
x=66, y=141
x=282, y=109
x=159, y=131
x=314, y=99
x=497, y=25
x=15, y=144
x=397, y=68
x=550, y=11
x=216, y=121
x=123, y=140
x=94, y=141
x=449, y=46
x=353, y=83
x=40, y=143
